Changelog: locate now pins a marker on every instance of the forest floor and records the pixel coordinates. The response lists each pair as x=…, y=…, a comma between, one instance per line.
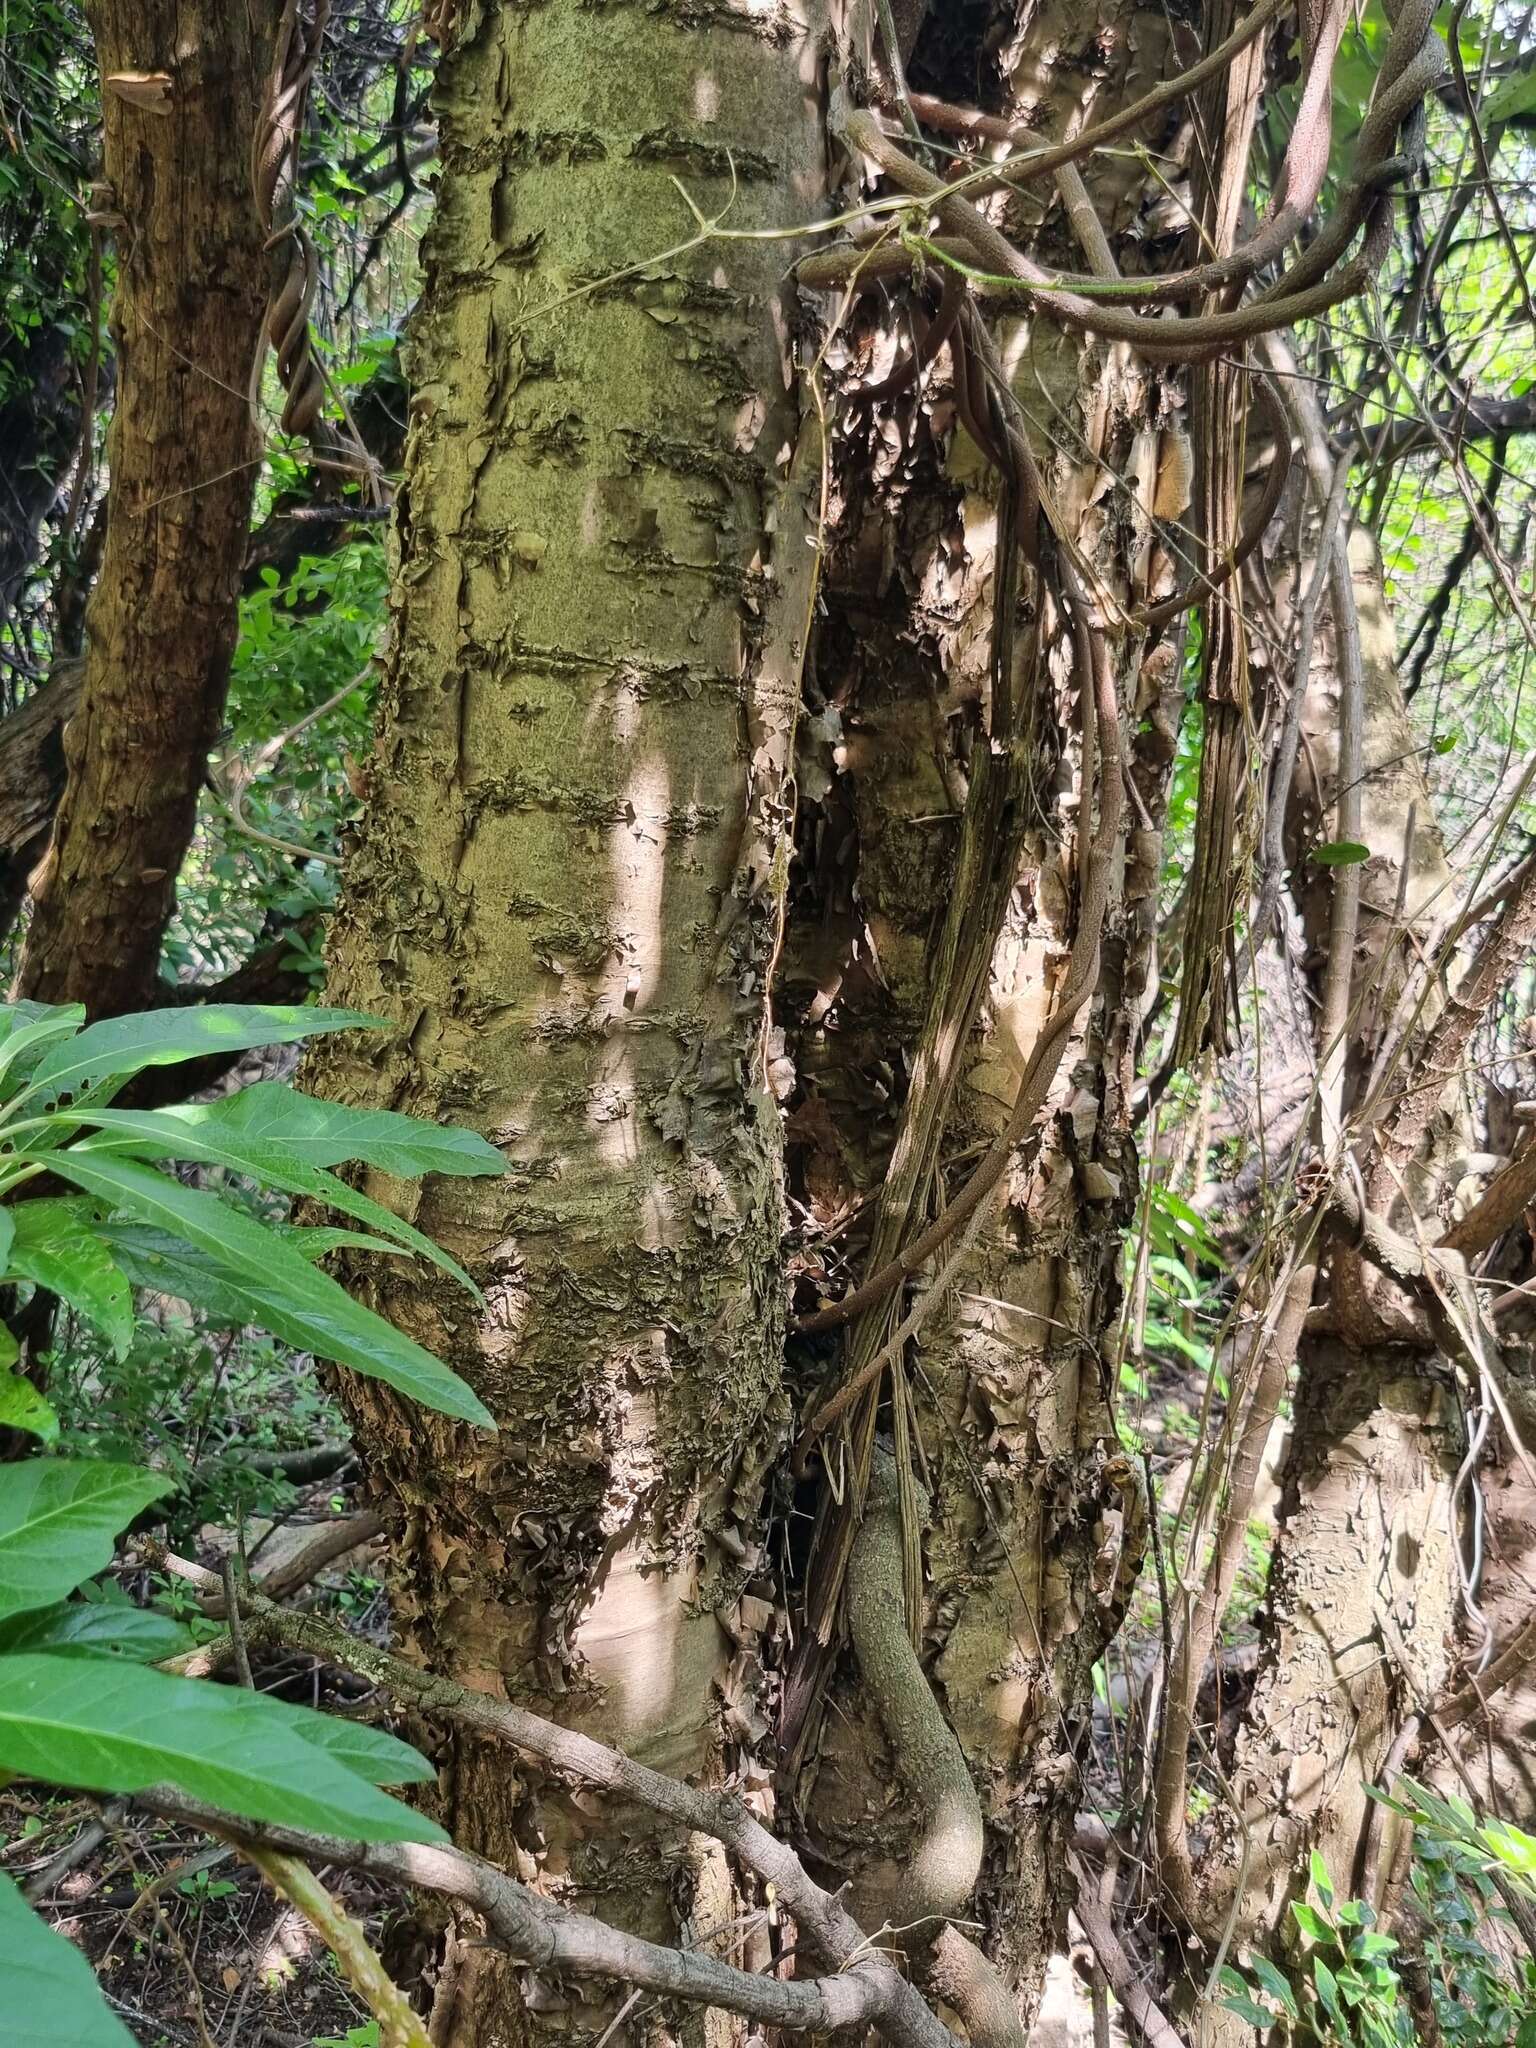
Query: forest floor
x=191, y=1945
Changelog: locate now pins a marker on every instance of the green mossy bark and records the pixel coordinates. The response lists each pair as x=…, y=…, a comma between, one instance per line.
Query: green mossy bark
x=567, y=885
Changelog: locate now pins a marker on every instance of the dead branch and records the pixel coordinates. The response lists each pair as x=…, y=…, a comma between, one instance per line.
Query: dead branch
x=894, y=2005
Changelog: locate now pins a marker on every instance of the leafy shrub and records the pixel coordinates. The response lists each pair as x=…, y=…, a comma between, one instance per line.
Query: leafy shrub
x=80, y=1704
x=1349, y=1989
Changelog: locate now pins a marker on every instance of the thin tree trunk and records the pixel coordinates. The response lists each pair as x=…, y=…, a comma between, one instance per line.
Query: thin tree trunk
x=1360, y=1607
x=182, y=452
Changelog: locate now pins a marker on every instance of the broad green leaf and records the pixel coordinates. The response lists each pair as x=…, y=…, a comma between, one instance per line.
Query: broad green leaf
x=29, y=1033
x=1310, y=1921
x=315, y=1242
x=1274, y=1982
x=119, y=1047
x=23, y=1407
x=56, y=1247
x=1370, y=1944
x=327, y=1133
x=281, y=1290
x=114, y=1727
x=1340, y=853
x=52, y=1999
x=58, y=1519
x=1320, y=1878
x=1327, y=1990
x=154, y=1134
x=7, y=1232
x=168, y=1265
x=20, y=1016
x=373, y=1753
x=97, y=1627
x=1245, y=2009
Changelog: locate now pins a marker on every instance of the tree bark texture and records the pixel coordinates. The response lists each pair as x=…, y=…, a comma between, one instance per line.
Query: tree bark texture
x=567, y=895
x=578, y=872
x=1361, y=1600
x=182, y=451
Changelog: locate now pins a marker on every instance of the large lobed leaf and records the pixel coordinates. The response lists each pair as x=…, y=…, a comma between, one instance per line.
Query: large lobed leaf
x=117, y=1727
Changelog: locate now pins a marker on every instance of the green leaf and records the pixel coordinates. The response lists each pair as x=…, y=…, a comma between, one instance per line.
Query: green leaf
x=1516, y=96
x=58, y=1519
x=1340, y=853
x=158, y=1134
x=1245, y=2009
x=1318, y=1870
x=327, y=1133
x=56, y=1246
x=373, y=1753
x=1328, y=1990
x=80, y=1721
x=51, y=1996
x=28, y=1027
x=97, y=1628
x=281, y=1290
x=119, y=1047
x=1370, y=1944
x=1310, y=1921
x=316, y=1242
x=1274, y=1982
x=23, y=1407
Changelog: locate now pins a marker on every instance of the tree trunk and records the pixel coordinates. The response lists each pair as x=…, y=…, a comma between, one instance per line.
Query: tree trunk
x=1360, y=1607
x=567, y=895
x=182, y=453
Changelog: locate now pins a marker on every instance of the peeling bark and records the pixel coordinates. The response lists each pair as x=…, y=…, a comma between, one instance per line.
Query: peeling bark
x=1036, y=1521
x=1361, y=1608
x=566, y=896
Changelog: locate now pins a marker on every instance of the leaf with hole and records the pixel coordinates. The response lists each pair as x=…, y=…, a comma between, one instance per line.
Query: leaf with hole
x=56, y=1247
x=96, y=1628
x=23, y=1407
